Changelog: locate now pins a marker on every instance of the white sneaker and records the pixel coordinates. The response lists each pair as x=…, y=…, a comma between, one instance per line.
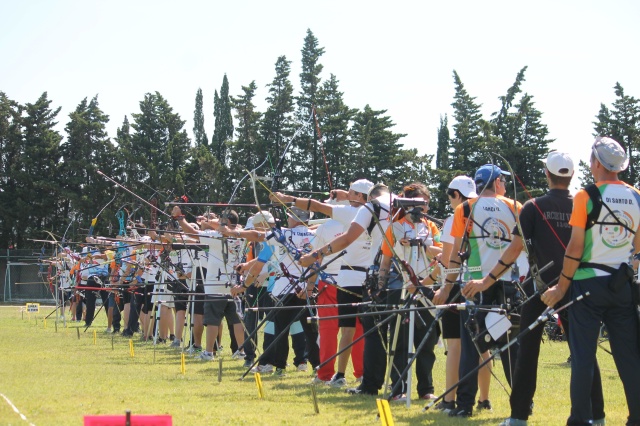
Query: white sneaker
x=108, y=330
x=267, y=368
x=237, y=355
x=207, y=356
x=191, y=350
x=303, y=367
x=175, y=344
x=337, y=383
x=317, y=381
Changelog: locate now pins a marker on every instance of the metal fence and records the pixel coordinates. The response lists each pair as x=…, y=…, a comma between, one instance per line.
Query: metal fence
x=24, y=276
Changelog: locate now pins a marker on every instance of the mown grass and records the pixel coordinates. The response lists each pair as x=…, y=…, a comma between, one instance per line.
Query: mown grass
x=54, y=378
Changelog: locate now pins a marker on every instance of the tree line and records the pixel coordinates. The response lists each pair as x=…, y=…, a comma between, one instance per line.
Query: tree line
x=50, y=181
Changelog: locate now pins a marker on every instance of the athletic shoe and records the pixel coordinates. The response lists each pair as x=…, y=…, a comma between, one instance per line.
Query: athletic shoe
x=280, y=372
x=484, y=405
x=599, y=422
x=206, y=356
x=399, y=398
x=108, y=330
x=318, y=381
x=172, y=337
x=428, y=397
x=303, y=367
x=359, y=380
x=445, y=406
x=513, y=422
x=460, y=412
x=267, y=368
x=248, y=363
x=194, y=350
x=337, y=383
x=237, y=355
x=127, y=333
x=159, y=341
x=360, y=391
x=175, y=344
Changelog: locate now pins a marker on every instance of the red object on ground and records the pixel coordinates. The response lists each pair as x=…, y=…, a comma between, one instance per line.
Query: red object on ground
x=121, y=420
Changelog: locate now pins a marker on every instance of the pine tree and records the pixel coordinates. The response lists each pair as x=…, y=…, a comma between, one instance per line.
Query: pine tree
x=380, y=154
x=442, y=153
x=10, y=164
x=160, y=147
x=517, y=133
x=247, y=149
x=86, y=150
x=38, y=192
x=223, y=132
x=306, y=153
x=332, y=122
x=467, y=147
x=278, y=124
x=199, y=133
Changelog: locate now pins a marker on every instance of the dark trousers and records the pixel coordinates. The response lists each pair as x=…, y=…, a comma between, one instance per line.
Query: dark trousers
x=618, y=314
x=134, y=313
x=470, y=355
x=423, y=365
x=255, y=297
x=525, y=374
x=283, y=320
x=374, y=360
x=91, y=297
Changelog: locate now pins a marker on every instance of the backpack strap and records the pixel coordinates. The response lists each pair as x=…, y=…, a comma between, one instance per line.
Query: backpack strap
x=597, y=202
x=376, y=212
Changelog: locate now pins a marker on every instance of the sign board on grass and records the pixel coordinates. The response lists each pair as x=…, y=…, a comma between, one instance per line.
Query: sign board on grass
x=33, y=308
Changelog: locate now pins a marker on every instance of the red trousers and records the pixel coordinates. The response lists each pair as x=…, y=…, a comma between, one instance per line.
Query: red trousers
x=328, y=335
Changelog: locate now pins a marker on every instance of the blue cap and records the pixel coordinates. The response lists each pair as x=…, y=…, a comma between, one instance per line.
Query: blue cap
x=486, y=174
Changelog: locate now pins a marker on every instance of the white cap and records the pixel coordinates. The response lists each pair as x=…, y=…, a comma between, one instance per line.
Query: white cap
x=610, y=154
x=263, y=216
x=559, y=164
x=249, y=224
x=362, y=185
x=465, y=185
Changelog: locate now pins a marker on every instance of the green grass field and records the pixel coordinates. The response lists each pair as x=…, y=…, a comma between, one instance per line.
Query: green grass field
x=54, y=378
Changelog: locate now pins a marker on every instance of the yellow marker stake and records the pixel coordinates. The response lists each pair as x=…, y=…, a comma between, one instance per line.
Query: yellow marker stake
x=95, y=337
x=259, y=385
x=385, y=412
x=183, y=364
x=131, y=351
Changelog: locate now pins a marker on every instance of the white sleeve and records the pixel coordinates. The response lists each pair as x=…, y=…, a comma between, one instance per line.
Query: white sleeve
x=364, y=216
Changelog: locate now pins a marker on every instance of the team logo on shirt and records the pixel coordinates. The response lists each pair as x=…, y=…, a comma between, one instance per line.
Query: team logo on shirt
x=496, y=233
x=613, y=234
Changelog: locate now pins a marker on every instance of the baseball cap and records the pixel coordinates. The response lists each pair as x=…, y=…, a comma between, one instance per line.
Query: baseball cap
x=487, y=174
x=465, y=185
x=298, y=214
x=263, y=217
x=361, y=185
x=610, y=154
x=559, y=164
x=249, y=224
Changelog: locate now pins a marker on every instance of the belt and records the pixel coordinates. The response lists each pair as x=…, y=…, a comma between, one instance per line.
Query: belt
x=353, y=268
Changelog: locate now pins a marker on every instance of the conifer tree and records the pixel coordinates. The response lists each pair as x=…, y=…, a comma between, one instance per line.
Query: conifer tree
x=199, y=133
x=247, y=148
x=306, y=154
x=86, y=150
x=223, y=132
x=10, y=164
x=467, y=145
x=332, y=121
x=278, y=124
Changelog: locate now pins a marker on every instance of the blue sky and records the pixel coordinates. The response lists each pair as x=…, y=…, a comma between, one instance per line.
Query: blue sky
x=394, y=56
